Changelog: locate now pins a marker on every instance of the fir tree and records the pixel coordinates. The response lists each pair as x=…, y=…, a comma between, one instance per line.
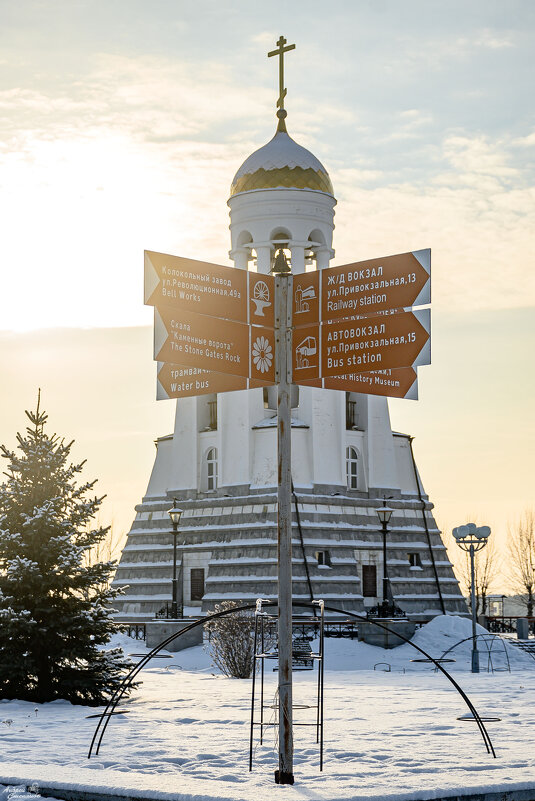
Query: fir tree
x=54, y=608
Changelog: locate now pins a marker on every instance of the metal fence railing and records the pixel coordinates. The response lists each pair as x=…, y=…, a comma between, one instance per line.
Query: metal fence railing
x=507, y=624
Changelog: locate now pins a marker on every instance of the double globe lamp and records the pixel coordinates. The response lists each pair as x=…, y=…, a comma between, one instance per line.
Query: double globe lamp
x=472, y=538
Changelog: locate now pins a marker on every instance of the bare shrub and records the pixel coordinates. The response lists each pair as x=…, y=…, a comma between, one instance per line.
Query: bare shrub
x=231, y=644
x=521, y=541
x=486, y=570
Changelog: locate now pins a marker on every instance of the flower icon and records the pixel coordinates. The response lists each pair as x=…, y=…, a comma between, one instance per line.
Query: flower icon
x=262, y=354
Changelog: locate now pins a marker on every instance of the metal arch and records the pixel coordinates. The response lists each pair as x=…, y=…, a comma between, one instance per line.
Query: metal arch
x=128, y=679
x=486, y=638
x=118, y=694
x=482, y=729
x=504, y=646
x=426, y=526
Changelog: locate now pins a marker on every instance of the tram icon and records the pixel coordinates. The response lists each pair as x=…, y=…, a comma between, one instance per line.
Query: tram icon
x=307, y=348
x=302, y=296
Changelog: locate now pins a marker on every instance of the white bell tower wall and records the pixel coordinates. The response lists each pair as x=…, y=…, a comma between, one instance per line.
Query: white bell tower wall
x=263, y=218
x=303, y=221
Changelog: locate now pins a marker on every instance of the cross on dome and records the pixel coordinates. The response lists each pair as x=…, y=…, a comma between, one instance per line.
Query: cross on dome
x=281, y=50
x=282, y=163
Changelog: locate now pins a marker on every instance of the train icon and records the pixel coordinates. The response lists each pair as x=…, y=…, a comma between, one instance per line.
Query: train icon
x=302, y=296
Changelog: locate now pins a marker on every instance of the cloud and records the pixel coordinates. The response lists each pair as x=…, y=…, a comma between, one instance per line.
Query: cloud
x=151, y=97
x=265, y=38
x=126, y=161
x=478, y=217
x=525, y=141
x=494, y=40
x=141, y=152
x=477, y=155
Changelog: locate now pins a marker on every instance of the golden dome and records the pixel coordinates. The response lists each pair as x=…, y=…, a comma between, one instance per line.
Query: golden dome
x=282, y=163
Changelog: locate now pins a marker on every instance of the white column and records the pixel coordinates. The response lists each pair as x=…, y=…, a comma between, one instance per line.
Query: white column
x=240, y=257
x=263, y=254
x=298, y=258
x=323, y=256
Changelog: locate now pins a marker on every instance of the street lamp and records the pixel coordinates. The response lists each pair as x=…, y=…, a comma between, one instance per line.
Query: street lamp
x=384, y=513
x=387, y=608
x=175, y=514
x=472, y=538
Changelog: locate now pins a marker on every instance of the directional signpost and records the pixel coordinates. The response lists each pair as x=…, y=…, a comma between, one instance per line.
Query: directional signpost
x=211, y=289
x=365, y=287
x=181, y=381
x=351, y=328
x=214, y=344
x=346, y=321
x=213, y=326
x=350, y=320
x=362, y=344
x=400, y=382
x=219, y=329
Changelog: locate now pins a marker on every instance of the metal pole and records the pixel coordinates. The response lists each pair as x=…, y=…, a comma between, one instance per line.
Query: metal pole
x=252, y=693
x=283, y=333
x=321, y=671
x=475, y=653
x=385, y=577
x=181, y=584
x=262, y=661
x=426, y=526
x=174, y=611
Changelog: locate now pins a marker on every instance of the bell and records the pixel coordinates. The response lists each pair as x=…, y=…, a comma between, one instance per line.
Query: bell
x=280, y=264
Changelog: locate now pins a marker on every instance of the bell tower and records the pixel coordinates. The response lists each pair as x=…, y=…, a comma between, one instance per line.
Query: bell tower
x=220, y=461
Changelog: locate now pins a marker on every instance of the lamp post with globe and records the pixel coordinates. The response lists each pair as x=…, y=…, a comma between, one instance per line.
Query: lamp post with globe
x=175, y=514
x=386, y=608
x=472, y=538
x=384, y=513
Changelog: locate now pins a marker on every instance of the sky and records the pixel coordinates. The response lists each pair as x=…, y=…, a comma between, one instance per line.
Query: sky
x=123, y=123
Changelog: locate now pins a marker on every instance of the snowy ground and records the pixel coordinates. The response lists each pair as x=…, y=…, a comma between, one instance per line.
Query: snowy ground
x=388, y=735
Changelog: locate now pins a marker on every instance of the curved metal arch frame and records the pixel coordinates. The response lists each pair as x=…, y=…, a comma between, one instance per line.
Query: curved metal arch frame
x=127, y=681
x=485, y=638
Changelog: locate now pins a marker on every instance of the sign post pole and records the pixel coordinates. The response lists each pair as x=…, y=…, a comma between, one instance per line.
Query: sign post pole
x=283, y=340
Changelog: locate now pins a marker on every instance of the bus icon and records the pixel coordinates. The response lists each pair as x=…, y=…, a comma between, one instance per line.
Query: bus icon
x=307, y=348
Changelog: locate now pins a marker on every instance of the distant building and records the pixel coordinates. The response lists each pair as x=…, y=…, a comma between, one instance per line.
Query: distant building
x=220, y=462
x=506, y=605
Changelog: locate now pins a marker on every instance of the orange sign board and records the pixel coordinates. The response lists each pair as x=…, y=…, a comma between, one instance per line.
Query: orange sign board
x=306, y=344
x=306, y=298
x=382, y=342
x=210, y=289
x=366, y=287
x=261, y=294
x=360, y=344
x=180, y=381
x=401, y=382
x=209, y=343
x=196, y=286
x=262, y=354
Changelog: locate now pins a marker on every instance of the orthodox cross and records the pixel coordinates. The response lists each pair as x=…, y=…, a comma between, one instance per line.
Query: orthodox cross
x=281, y=50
